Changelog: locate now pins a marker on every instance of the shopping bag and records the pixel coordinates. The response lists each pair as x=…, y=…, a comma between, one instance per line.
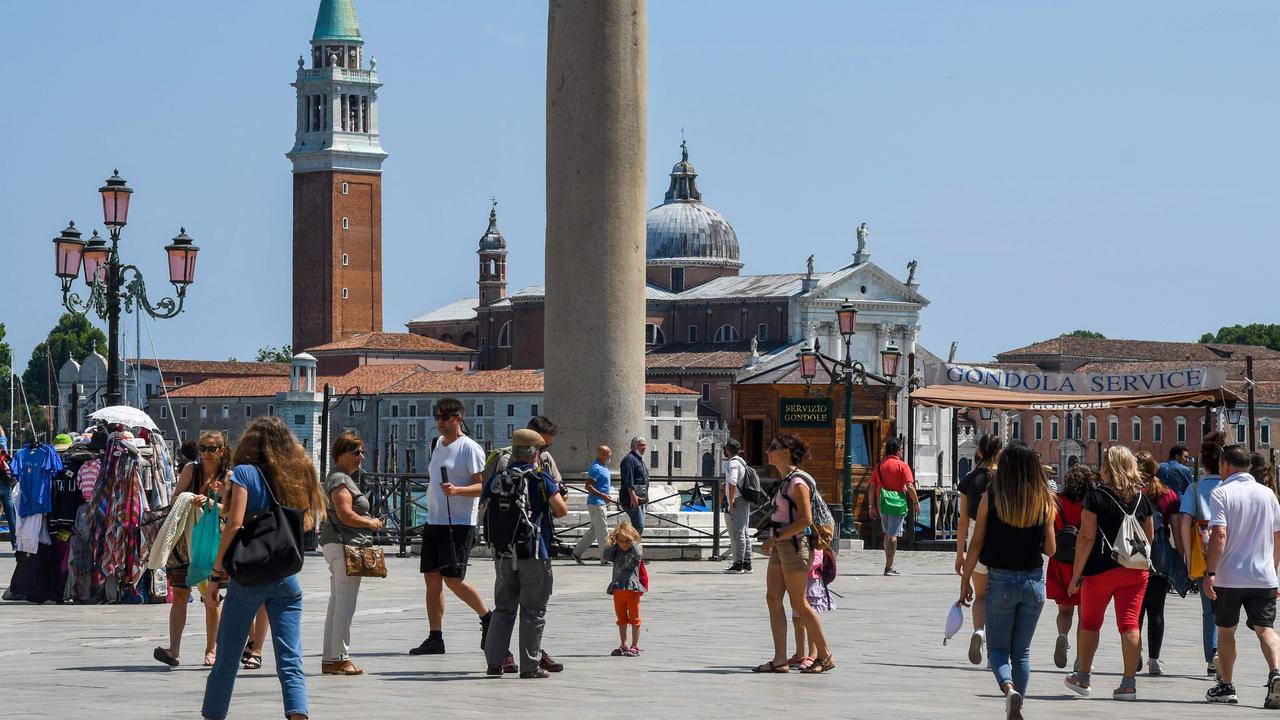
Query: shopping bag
x=205, y=537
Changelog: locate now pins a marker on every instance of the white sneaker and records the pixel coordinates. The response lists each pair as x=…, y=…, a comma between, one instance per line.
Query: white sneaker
x=975, y=646
x=1012, y=705
x=1155, y=666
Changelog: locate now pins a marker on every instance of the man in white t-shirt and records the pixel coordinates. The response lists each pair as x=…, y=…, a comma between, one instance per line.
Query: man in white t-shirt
x=1244, y=550
x=447, y=538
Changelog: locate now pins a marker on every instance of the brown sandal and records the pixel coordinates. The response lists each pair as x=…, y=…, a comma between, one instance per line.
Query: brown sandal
x=821, y=665
x=772, y=667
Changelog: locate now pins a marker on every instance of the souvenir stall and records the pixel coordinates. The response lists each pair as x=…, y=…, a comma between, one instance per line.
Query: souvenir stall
x=90, y=507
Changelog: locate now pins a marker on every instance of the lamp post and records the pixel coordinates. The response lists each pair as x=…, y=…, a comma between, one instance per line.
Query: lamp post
x=847, y=372
x=109, y=288
x=1253, y=423
x=357, y=408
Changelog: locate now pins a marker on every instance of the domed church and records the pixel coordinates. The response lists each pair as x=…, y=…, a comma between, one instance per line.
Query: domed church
x=707, y=324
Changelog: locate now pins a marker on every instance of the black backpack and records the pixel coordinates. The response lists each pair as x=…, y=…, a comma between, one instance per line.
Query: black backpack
x=508, y=513
x=749, y=486
x=268, y=547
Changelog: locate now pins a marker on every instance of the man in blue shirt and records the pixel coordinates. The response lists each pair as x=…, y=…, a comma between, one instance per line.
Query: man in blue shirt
x=598, y=487
x=634, y=492
x=523, y=574
x=1194, y=515
x=1174, y=472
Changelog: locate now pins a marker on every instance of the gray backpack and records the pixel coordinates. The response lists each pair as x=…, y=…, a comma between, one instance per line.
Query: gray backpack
x=1130, y=547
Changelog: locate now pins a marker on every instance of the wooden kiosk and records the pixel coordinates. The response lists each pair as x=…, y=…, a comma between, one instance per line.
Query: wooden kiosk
x=778, y=401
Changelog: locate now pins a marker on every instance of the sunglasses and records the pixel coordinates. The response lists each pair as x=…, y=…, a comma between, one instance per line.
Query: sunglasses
x=446, y=417
x=358, y=453
x=210, y=448
x=774, y=446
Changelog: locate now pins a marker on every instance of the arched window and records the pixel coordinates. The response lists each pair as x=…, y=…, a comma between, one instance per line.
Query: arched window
x=1093, y=428
x=1181, y=423
x=1113, y=428
x=1053, y=428
x=1137, y=429
x=1240, y=433
x=504, y=335
x=653, y=335
x=1264, y=432
x=1039, y=428
x=1157, y=429
x=726, y=334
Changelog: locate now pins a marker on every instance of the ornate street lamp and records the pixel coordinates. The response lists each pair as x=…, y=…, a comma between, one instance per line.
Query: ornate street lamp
x=808, y=363
x=847, y=316
x=1234, y=415
x=112, y=283
x=890, y=360
x=356, y=406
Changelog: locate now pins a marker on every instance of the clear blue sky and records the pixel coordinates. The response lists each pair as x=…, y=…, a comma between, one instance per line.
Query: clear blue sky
x=1052, y=166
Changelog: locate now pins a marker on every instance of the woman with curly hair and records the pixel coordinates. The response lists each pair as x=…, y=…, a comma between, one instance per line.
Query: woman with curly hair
x=1080, y=479
x=270, y=465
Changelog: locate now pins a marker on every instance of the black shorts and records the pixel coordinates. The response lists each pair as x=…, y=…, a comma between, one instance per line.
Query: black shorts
x=1259, y=607
x=446, y=549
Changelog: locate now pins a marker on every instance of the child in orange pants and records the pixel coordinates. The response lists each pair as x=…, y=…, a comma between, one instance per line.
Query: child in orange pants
x=623, y=549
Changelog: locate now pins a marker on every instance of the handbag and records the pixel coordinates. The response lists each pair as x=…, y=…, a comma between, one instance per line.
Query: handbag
x=1198, y=551
x=365, y=561
x=268, y=547
x=205, y=538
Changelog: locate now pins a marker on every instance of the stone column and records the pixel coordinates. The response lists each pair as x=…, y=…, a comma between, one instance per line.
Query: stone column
x=595, y=246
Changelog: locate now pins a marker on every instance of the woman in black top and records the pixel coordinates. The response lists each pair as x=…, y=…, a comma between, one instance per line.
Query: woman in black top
x=971, y=489
x=1014, y=530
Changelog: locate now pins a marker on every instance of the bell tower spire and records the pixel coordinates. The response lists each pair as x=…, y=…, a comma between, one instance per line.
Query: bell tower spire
x=337, y=185
x=493, y=261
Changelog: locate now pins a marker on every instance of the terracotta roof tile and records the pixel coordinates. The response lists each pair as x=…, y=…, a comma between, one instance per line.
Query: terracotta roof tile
x=716, y=356
x=383, y=341
x=667, y=389
x=215, y=367
x=1107, y=349
x=435, y=382
x=233, y=387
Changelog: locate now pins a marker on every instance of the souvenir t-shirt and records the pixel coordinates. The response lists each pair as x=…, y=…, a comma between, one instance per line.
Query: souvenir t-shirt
x=333, y=530
x=1251, y=515
x=35, y=468
x=460, y=459
x=1108, y=507
x=973, y=486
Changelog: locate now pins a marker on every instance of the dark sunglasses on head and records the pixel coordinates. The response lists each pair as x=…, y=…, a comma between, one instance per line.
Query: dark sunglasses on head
x=210, y=448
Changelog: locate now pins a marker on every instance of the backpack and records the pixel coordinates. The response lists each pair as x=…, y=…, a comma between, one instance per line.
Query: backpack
x=822, y=522
x=1166, y=561
x=749, y=486
x=828, y=568
x=508, y=515
x=1065, y=544
x=1129, y=548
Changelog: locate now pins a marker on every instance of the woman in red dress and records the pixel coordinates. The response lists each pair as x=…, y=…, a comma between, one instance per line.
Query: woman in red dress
x=1058, y=573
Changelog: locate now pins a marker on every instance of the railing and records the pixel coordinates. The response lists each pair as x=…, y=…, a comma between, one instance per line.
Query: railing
x=399, y=499
x=944, y=513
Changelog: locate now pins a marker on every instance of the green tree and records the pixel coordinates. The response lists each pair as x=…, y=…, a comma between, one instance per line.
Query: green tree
x=6, y=371
x=282, y=354
x=1267, y=336
x=1085, y=334
x=73, y=337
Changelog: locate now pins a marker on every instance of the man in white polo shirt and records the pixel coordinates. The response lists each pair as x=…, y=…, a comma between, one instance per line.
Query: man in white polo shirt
x=1244, y=550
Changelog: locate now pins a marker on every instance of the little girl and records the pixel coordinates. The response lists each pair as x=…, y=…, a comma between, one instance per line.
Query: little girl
x=623, y=549
x=820, y=600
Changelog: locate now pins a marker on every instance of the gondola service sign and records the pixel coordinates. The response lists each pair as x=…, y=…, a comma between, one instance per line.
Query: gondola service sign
x=805, y=412
x=1080, y=386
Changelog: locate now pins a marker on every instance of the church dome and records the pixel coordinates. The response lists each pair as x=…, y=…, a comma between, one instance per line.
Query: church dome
x=683, y=230
x=492, y=239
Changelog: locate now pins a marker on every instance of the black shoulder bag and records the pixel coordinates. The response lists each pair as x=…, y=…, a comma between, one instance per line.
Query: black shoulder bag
x=268, y=546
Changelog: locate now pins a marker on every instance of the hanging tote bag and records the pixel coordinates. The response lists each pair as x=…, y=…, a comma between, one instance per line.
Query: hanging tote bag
x=1198, y=551
x=205, y=538
x=268, y=547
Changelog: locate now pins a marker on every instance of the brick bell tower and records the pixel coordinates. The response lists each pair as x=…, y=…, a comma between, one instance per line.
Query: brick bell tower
x=337, y=186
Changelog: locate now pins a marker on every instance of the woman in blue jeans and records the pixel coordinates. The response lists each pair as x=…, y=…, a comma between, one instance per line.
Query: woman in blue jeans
x=266, y=453
x=1013, y=530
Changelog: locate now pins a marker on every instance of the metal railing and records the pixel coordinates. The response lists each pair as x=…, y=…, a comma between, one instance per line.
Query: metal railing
x=399, y=499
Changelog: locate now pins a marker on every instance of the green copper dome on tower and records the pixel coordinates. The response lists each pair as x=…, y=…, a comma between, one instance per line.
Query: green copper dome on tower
x=337, y=21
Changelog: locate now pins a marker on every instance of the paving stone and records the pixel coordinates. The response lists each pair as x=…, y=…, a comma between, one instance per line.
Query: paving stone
x=702, y=631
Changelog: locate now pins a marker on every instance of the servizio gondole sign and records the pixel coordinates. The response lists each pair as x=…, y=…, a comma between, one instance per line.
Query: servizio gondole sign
x=1078, y=385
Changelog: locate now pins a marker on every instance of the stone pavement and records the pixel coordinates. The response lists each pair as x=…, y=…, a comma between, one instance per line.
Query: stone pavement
x=703, y=630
